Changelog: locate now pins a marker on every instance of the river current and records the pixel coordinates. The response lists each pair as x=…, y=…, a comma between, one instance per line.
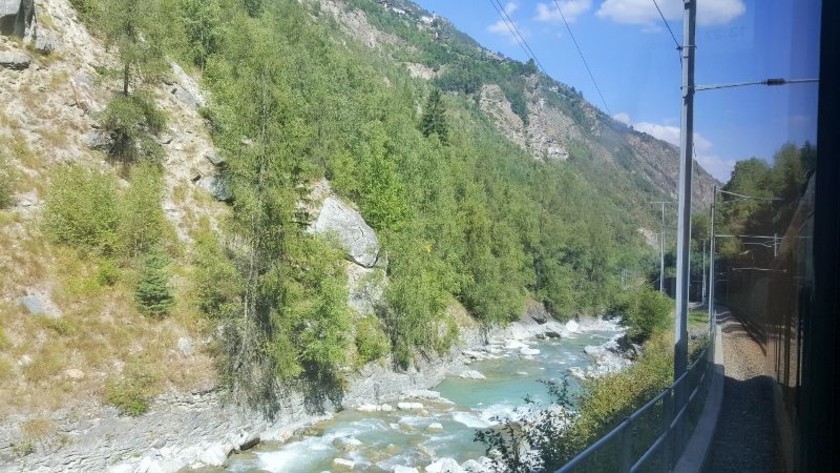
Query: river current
x=426, y=427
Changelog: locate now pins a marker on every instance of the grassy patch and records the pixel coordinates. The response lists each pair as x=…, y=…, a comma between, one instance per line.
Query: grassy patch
x=132, y=391
x=698, y=319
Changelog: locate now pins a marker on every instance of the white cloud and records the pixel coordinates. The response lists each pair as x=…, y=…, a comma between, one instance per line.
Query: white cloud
x=623, y=118
x=643, y=12
x=571, y=10
x=502, y=28
x=718, y=167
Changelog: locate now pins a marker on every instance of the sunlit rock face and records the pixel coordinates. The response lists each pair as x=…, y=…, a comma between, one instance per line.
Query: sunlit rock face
x=15, y=17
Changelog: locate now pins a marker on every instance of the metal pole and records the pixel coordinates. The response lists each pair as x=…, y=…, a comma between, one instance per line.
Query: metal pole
x=662, y=249
x=684, y=214
x=703, y=284
x=662, y=252
x=712, y=275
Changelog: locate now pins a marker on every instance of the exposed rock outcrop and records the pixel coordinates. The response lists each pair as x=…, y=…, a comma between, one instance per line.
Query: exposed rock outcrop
x=353, y=233
x=16, y=61
x=16, y=16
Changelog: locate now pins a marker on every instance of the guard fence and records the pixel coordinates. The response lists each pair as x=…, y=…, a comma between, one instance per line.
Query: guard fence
x=653, y=437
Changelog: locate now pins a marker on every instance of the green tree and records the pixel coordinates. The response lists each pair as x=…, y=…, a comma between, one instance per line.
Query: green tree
x=433, y=121
x=218, y=285
x=131, y=122
x=381, y=192
x=153, y=292
x=200, y=20
x=137, y=29
x=644, y=311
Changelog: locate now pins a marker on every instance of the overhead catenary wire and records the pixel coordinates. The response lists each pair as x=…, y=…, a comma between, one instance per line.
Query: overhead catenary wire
x=668, y=25
x=582, y=57
x=517, y=35
x=750, y=197
x=767, y=82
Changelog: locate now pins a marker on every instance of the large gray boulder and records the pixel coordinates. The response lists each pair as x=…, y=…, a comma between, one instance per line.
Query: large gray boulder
x=347, y=225
x=14, y=60
x=16, y=17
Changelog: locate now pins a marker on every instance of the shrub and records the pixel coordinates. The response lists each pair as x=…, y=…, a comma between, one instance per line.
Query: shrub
x=131, y=122
x=81, y=209
x=153, y=293
x=371, y=341
x=131, y=392
x=141, y=220
x=645, y=311
x=108, y=273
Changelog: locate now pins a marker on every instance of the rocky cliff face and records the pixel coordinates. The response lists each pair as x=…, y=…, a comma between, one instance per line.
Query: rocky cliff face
x=554, y=131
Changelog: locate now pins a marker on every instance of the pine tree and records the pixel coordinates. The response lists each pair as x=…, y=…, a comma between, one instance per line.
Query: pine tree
x=136, y=28
x=434, y=118
x=153, y=293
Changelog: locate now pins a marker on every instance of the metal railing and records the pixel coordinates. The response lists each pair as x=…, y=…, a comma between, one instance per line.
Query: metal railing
x=653, y=437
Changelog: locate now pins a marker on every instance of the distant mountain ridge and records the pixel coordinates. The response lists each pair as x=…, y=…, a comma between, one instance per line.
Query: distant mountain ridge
x=549, y=119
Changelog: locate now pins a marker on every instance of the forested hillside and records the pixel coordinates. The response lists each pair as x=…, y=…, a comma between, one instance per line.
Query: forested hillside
x=403, y=123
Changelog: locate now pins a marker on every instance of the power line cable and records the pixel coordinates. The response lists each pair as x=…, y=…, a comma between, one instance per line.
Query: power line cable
x=668, y=25
x=582, y=57
x=517, y=35
x=527, y=46
x=510, y=28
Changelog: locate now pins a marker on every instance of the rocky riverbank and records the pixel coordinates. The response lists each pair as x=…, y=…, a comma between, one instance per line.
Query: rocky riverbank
x=201, y=429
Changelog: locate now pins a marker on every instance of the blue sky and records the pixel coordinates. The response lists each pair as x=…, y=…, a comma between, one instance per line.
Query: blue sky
x=636, y=65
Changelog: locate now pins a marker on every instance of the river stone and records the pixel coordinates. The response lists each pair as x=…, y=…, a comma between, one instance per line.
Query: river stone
x=472, y=374
x=14, y=60
x=353, y=233
x=529, y=351
x=435, y=427
x=472, y=466
x=445, y=465
x=347, y=444
x=424, y=394
x=405, y=469
x=341, y=463
x=215, y=454
x=245, y=440
x=409, y=406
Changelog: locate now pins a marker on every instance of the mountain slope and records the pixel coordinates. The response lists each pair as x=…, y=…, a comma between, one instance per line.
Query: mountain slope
x=548, y=119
